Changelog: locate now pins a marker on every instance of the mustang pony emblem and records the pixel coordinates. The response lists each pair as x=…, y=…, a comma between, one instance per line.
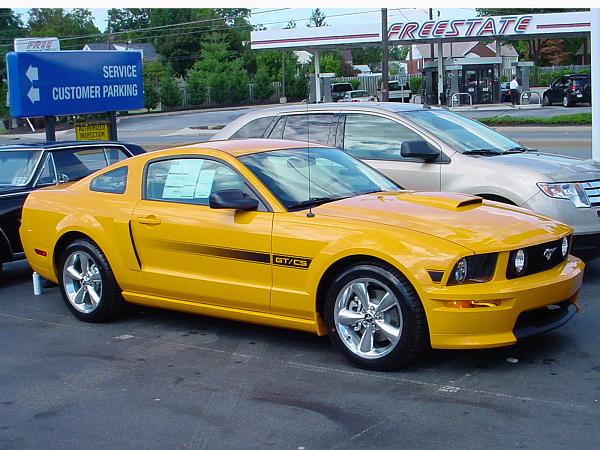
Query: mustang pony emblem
x=549, y=252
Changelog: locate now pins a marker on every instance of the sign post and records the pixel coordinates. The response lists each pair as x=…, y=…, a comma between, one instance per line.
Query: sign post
x=74, y=82
x=595, y=84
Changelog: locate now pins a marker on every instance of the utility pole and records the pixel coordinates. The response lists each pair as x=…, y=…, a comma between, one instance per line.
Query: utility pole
x=431, y=45
x=282, y=73
x=385, y=85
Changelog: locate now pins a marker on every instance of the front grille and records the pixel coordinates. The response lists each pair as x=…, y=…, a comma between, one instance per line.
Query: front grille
x=592, y=189
x=537, y=258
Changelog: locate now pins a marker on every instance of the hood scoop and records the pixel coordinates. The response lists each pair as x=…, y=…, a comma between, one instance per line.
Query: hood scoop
x=446, y=200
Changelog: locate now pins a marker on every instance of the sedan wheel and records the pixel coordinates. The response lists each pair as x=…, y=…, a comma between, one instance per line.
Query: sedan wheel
x=375, y=317
x=87, y=283
x=566, y=102
x=546, y=100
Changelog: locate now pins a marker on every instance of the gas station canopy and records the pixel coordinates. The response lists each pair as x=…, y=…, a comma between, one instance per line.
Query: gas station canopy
x=468, y=29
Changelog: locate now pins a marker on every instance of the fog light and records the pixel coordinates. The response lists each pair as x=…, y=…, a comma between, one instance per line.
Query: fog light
x=520, y=261
x=565, y=246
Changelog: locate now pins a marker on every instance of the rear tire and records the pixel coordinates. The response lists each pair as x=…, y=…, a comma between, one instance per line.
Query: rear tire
x=87, y=283
x=567, y=102
x=375, y=318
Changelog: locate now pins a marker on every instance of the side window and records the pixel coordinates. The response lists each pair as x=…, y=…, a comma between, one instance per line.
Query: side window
x=277, y=131
x=113, y=182
x=308, y=127
x=253, y=129
x=374, y=137
x=48, y=176
x=189, y=180
x=77, y=163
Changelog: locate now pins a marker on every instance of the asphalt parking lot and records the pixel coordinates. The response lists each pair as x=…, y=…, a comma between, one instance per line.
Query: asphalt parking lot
x=158, y=379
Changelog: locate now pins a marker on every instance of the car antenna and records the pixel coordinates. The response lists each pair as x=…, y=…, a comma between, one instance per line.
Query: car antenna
x=309, y=213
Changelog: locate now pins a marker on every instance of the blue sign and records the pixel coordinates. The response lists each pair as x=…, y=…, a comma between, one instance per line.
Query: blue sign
x=74, y=82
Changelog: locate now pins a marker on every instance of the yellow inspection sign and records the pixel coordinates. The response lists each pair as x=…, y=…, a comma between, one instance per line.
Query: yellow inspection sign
x=92, y=131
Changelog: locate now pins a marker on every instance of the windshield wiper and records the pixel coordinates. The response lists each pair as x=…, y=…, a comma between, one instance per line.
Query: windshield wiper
x=482, y=151
x=519, y=149
x=312, y=202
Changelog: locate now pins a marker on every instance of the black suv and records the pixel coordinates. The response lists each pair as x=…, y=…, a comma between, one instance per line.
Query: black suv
x=570, y=90
x=26, y=167
x=338, y=90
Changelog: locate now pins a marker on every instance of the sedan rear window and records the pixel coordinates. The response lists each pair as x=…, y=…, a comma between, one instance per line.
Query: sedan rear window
x=253, y=129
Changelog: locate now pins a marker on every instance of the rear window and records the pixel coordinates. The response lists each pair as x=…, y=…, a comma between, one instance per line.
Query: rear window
x=581, y=82
x=341, y=87
x=113, y=182
x=356, y=94
x=253, y=129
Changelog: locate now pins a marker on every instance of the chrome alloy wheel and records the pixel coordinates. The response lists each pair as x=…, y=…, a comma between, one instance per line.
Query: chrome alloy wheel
x=82, y=282
x=368, y=318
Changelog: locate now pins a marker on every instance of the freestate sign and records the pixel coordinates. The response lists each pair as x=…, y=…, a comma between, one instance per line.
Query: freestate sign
x=74, y=82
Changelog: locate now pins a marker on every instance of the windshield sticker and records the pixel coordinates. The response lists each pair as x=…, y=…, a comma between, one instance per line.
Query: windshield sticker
x=182, y=179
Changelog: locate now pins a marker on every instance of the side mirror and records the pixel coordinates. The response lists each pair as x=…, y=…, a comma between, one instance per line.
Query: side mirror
x=232, y=199
x=418, y=149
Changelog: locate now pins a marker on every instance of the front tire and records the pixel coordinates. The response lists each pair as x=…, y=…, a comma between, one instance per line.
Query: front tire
x=375, y=318
x=87, y=283
x=547, y=101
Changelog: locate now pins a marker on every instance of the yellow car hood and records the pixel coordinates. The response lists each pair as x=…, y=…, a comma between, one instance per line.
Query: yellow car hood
x=466, y=220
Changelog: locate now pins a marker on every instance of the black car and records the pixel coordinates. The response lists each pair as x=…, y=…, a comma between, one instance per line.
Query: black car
x=338, y=90
x=569, y=90
x=25, y=167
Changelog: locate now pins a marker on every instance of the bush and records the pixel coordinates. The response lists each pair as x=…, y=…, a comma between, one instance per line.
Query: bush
x=196, y=86
x=503, y=79
x=169, y=92
x=355, y=82
x=297, y=88
x=151, y=97
x=415, y=84
x=4, y=112
x=263, y=86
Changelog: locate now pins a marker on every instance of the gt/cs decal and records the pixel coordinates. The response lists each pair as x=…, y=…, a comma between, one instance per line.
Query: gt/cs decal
x=291, y=261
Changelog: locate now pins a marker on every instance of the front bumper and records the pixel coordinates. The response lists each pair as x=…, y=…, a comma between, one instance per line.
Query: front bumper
x=522, y=308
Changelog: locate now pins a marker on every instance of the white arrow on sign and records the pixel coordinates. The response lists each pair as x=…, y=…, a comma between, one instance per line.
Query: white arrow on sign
x=32, y=73
x=34, y=94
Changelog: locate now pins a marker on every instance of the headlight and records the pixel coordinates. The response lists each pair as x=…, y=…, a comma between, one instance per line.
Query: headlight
x=474, y=269
x=569, y=191
x=565, y=246
x=461, y=270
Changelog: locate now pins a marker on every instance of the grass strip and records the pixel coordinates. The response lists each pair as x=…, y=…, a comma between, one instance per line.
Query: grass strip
x=569, y=119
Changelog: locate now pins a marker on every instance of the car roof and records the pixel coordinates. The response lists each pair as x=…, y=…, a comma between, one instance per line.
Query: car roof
x=243, y=147
x=374, y=106
x=53, y=145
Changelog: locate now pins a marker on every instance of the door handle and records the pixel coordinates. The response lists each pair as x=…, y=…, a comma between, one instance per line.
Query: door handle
x=149, y=220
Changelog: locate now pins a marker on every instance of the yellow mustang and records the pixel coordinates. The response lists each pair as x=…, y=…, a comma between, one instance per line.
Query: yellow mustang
x=274, y=233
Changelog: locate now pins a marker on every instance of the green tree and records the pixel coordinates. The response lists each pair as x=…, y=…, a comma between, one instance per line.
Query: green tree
x=10, y=27
x=151, y=97
x=55, y=22
x=317, y=19
x=169, y=91
x=532, y=49
x=331, y=62
x=222, y=71
x=196, y=86
x=263, y=85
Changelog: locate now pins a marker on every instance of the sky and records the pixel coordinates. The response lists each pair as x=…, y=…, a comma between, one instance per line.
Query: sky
x=277, y=19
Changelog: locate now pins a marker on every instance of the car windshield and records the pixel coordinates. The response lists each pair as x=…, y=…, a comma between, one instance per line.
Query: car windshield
x=464, y=135
x=17, y=166
x=333, y=175
x=359, y=94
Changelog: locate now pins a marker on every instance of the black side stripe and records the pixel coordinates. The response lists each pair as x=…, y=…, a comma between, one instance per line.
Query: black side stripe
x=295, y=262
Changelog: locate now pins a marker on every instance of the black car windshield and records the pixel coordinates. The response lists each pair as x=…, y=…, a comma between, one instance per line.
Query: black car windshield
x=333, y=175
x=18, y=166
x=462, y=134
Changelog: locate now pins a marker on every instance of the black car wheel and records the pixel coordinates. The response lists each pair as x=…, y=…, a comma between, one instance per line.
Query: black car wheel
x=567, y=102
x=87, y=283
x=375, y=318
